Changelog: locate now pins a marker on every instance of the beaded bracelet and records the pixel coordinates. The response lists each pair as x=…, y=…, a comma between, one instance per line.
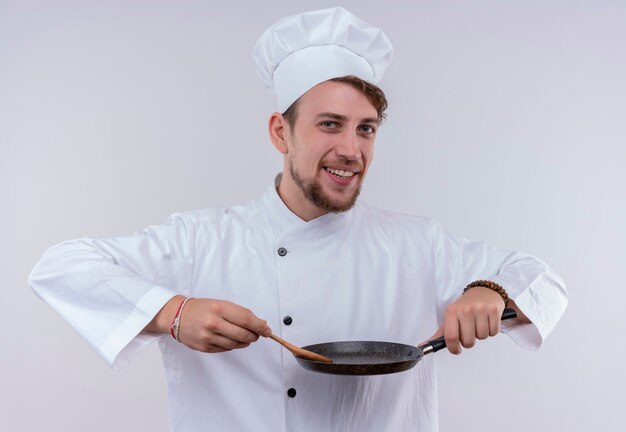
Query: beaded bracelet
x=492, y=286
x=175, y=327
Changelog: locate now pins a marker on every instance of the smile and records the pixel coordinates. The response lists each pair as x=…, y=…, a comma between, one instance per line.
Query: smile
x=340, y=173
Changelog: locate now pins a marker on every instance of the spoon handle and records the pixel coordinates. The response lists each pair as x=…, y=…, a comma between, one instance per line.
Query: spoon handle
x=299, y=352
x=284, y=343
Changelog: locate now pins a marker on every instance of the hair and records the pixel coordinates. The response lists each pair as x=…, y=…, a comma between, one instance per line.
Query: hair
x=373, y=93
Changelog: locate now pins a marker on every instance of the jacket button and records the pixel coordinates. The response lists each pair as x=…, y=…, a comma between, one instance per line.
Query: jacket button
x=287, y=320
x=282, y=251
x=291, y=392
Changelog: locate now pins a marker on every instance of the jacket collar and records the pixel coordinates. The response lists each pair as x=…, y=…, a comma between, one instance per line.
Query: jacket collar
x=284, y=221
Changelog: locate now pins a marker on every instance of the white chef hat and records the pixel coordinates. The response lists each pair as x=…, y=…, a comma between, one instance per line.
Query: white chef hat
x=301, y=51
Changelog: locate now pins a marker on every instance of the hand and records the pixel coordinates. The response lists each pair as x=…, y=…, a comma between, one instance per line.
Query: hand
x=214, y=326
x=475, y=315
x=210, y=325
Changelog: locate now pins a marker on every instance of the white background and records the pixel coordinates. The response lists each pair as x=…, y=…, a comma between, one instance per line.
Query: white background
x=506, y=123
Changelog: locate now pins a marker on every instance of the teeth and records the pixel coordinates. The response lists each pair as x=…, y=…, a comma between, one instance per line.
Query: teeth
x=340, y=173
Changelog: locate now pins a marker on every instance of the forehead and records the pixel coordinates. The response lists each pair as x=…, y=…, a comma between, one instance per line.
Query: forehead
x=336, y=97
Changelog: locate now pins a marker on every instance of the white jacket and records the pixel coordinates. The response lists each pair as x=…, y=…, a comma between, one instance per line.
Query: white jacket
x=366, y=274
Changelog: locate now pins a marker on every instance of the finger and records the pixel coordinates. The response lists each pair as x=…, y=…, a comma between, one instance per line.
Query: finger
x=212, y=349
x=482, y=327
x=203, y=343
x=209, y=341
x=216, y=340
x=494, y=325
x=451, y=331
x=467, y=327
x=235, y=333
x=244, y=318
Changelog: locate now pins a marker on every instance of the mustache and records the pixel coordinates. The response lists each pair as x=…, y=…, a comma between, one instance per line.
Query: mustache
x=346, y=164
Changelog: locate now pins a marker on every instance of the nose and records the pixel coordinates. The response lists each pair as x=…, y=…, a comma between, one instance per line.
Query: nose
x=349, y=147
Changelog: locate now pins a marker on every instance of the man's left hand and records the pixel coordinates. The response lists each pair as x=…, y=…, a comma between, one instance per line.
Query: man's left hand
x=475, y=315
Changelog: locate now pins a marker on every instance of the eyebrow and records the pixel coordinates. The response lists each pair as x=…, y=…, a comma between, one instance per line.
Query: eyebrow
x=341, y=117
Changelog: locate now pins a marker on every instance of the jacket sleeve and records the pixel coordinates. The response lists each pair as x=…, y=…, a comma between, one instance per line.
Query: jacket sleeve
x=108, y=290
x=536, y=289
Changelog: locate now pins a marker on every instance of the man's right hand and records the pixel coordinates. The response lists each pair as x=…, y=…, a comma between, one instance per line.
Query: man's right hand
x=210, y=325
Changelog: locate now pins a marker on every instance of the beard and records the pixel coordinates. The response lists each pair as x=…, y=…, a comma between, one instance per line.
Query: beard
x=312, y=191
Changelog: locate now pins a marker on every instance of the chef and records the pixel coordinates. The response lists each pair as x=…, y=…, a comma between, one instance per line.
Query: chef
x=306, y=261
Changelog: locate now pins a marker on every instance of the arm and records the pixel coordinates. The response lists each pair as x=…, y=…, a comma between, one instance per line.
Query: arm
x=536, y=293
x=109, y=290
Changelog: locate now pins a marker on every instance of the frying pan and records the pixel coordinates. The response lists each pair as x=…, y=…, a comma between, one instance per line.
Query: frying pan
x=373, y=358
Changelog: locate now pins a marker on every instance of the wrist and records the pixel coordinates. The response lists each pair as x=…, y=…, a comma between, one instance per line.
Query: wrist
x=162, y=321
x=175, y=327
x=490, y=286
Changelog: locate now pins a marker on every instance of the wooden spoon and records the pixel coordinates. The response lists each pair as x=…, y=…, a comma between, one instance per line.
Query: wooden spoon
x=299, y=352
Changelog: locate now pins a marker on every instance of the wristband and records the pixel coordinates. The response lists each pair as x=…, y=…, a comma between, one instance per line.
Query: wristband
x=492, y=286
x=175, y=327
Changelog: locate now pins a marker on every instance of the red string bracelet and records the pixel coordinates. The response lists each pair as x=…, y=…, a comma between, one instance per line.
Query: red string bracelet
x=176, y=320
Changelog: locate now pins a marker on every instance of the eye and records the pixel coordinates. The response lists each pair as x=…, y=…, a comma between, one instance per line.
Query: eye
x=367, y=129
x=329, y=124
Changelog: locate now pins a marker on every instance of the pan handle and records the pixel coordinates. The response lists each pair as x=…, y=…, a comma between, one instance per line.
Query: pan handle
x=440, y=343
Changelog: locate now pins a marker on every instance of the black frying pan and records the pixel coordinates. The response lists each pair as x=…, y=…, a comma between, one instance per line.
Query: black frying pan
x=373, y=358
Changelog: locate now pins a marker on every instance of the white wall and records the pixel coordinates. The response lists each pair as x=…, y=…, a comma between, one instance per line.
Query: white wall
x=507, y=123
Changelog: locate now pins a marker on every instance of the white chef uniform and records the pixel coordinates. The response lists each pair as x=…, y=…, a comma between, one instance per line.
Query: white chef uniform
x=366, y=274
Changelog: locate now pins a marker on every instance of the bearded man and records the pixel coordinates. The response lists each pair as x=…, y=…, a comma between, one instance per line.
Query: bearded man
x=307, y=260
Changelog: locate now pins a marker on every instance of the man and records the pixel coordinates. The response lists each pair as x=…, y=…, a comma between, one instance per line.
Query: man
x=305, y=260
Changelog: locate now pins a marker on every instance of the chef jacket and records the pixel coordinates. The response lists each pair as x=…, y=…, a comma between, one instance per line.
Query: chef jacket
x=365, y=274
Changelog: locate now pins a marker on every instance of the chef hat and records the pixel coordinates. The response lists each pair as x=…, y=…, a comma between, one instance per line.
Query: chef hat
x=301, y=51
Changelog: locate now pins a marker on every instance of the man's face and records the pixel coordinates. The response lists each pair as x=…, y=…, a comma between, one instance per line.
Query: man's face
x=329, y=150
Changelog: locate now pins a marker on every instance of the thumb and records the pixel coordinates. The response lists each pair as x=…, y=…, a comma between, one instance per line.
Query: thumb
x=437, y=334
x=264, y=329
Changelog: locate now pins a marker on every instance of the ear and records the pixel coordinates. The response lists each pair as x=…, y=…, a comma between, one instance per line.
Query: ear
x=278, y=129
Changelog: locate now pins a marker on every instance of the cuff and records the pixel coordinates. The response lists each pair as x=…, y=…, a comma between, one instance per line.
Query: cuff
x=128, y=340
x=543, y=301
